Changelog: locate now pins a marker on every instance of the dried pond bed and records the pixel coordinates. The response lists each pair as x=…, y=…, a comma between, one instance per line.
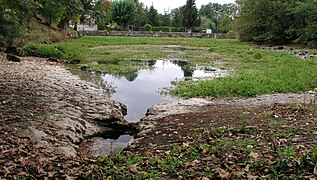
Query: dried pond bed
x=253, y=140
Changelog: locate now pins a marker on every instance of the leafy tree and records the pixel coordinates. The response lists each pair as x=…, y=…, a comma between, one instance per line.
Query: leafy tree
x=71, y=10
x=190, y=15
x=50, y=11
x=165, y=18
x=123, y=12
x=225, y=23
x=14, y=16
x=205, y=23
x=304, y=27
x=264, y=21
x=102, y=13
x=177, y=16
x=88, y=13
x=142, y=17
x=221, y=16
x=153, y=16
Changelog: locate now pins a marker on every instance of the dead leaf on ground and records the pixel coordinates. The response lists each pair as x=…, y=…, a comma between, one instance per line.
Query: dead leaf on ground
x=221, y=173
x=255, y=155
x=191, y=164
x=134, y=169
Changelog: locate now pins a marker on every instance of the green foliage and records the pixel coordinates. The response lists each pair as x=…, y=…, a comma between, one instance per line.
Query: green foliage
x=147, y=27
x=50, y=10
x=43, y=51
x=14, y=15
x=190, y=14
x=153, y=16
x=102, y=12
x=178, y=16
x=260, y=72
x=277, y=22
x=220, y=17
x=123, y=12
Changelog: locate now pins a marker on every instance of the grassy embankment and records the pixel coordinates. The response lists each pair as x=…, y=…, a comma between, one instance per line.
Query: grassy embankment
x=255, y=71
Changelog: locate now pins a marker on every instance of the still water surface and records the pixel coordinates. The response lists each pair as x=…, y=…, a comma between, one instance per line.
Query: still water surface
x=141, y=89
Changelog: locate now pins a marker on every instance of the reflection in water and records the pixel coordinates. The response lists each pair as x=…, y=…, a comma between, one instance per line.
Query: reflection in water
x=140, y=90
x=96, y=79
x=186, y=67
x=104, y=146
x=143, y=91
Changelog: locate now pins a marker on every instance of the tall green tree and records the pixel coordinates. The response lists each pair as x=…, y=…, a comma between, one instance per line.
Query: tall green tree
x=190, y=15
x=142, y=17
x=304, y=27
x=50, y=11
x=153, y=16
x=103, y=13
x=165, y=18
x=71, y=10
x=177, y=16
x=124, y=12
x=221, y=16
x=87, y=14
x=264, y=21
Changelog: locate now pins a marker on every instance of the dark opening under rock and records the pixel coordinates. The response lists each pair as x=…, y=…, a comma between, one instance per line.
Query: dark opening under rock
x=53, y=59
x=14, y=50
x=74, y=61
x=84, y=68
x=13, y=58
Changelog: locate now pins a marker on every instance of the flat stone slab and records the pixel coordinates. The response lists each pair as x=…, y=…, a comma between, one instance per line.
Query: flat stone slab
x=53, y=107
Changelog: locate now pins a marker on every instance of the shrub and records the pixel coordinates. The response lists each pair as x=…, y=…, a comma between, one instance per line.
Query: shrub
x=43, y=51
x=147, y=27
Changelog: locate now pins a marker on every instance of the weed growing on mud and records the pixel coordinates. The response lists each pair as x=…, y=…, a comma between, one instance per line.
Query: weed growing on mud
x=231, y=151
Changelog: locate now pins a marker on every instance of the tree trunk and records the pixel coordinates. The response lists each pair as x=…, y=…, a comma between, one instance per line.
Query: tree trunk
x=63, y=23
x=75, y=26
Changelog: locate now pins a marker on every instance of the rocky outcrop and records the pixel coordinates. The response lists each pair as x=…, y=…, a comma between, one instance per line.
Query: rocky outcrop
x=157, y=112
x=55, y=108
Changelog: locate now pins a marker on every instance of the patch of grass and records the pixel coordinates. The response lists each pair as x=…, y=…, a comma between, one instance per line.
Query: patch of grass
x=97, y=53
x=238, y=155
x=270, y=72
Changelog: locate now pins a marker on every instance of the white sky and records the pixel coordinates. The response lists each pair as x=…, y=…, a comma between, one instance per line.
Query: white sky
x=160, y=5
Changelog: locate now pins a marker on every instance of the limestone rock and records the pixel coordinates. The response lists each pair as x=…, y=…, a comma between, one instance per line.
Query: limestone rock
x=67, y=151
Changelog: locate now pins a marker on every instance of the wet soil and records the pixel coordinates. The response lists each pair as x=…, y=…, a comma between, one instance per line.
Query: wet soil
x=175, y=123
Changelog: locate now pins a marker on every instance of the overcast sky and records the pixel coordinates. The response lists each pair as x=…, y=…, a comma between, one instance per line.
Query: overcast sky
x=160, y=5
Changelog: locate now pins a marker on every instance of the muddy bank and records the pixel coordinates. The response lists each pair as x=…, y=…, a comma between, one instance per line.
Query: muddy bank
x=43, y=102
x=170, y=123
